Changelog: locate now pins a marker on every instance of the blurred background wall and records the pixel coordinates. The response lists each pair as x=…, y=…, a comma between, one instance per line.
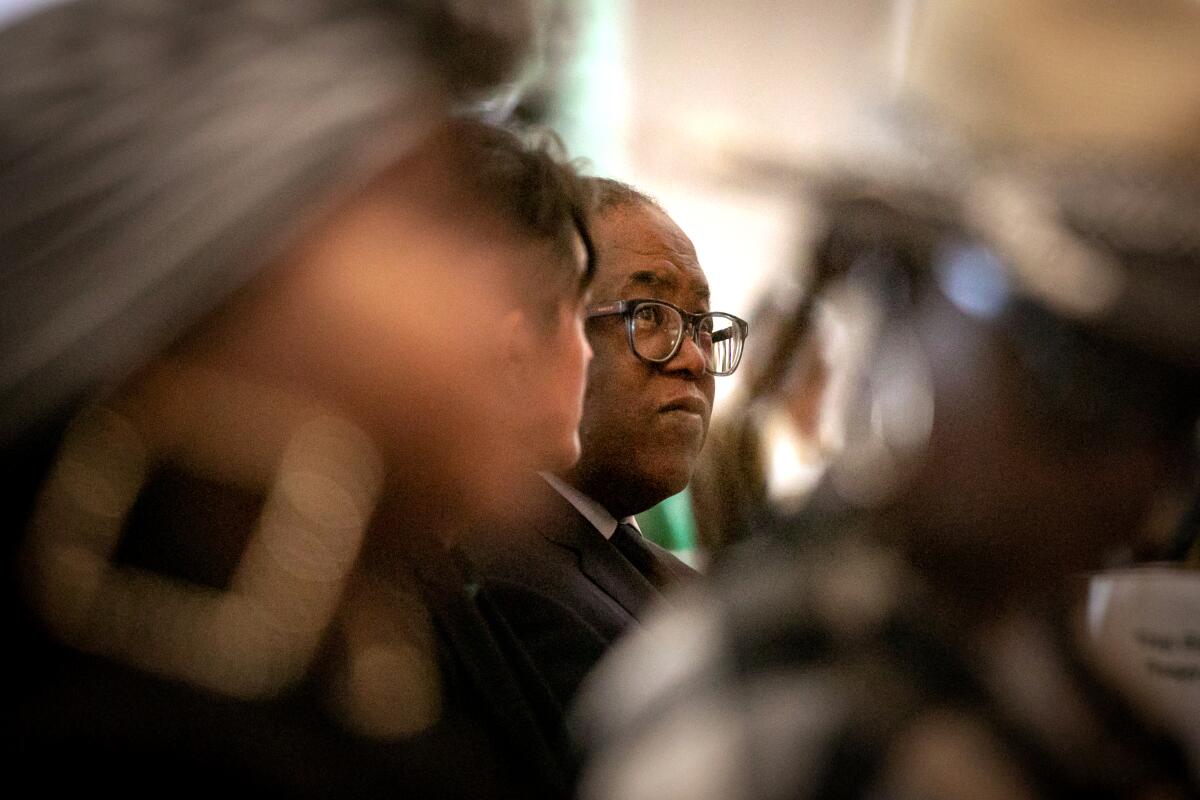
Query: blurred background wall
x=699, y=102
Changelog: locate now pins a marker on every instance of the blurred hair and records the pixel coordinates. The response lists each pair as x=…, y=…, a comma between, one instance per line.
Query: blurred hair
x=525, y=181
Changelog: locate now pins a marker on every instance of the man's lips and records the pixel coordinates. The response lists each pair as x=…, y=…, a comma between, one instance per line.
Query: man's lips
x=692, y=405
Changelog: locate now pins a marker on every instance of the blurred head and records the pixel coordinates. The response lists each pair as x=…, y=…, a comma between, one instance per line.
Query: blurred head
x=643, y=423
x=1050, y=445
x=463, y=266
x=1008, y=443
x=539, y=204
x=1057, y=309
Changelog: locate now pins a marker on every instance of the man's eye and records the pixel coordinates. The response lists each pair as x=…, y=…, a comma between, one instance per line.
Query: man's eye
x=648, y=316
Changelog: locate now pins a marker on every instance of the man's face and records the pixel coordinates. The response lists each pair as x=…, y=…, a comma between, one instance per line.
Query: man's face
x=643, y=424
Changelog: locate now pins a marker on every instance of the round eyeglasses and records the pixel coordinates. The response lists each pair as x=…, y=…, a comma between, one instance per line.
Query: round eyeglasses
x=656, y=331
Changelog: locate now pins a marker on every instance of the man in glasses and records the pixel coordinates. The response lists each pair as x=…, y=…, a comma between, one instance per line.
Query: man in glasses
x=580, y=573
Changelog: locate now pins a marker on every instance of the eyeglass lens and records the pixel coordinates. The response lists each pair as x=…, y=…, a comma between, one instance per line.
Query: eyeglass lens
x=658, y=329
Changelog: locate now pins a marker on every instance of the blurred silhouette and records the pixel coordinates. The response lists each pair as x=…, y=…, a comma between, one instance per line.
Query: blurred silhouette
x=247, y=397
x=1001, y=338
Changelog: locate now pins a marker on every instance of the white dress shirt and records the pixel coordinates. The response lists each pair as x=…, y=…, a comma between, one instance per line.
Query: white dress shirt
x=595, y=513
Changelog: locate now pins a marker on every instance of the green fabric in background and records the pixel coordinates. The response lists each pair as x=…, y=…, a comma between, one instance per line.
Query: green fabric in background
x=593, y=87
x=671, y=524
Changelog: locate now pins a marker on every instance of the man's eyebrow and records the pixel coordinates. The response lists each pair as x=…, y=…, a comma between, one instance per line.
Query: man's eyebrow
x=653, y=279
x=647, y=277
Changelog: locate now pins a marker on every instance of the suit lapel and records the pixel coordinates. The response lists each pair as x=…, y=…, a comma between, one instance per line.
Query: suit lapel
x=598, y=559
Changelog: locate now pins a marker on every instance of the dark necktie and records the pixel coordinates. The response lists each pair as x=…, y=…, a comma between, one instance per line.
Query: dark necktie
x=629, y=542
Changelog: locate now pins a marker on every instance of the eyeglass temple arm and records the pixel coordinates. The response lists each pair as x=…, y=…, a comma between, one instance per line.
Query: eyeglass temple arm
x=606, y=310
x=727, y=333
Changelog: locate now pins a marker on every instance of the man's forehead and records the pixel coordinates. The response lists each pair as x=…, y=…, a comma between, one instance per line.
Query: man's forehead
x=642, y=247
x=668, y=278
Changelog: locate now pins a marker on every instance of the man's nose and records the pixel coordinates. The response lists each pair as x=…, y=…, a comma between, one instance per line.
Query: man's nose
x=689, y=360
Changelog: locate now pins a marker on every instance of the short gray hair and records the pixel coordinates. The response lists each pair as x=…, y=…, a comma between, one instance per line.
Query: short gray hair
x=612, y=194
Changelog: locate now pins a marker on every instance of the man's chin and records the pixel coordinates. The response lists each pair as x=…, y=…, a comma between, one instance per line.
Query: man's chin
x=669, y=479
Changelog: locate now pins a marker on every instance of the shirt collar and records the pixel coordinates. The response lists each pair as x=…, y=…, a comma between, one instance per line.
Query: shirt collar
x=595, y=513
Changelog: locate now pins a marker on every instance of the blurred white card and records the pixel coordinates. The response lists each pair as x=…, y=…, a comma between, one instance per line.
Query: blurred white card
x=1145, y=625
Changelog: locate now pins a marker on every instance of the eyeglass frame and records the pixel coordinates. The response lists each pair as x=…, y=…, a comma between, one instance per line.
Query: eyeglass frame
x=627, y=308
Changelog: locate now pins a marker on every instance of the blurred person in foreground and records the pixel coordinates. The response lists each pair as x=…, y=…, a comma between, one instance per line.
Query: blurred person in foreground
x=577, y=573
x=247, y=262
x=1013, y=360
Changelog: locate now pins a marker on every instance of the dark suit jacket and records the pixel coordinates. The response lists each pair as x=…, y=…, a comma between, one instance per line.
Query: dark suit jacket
x=493, y=684
x=566, y=592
